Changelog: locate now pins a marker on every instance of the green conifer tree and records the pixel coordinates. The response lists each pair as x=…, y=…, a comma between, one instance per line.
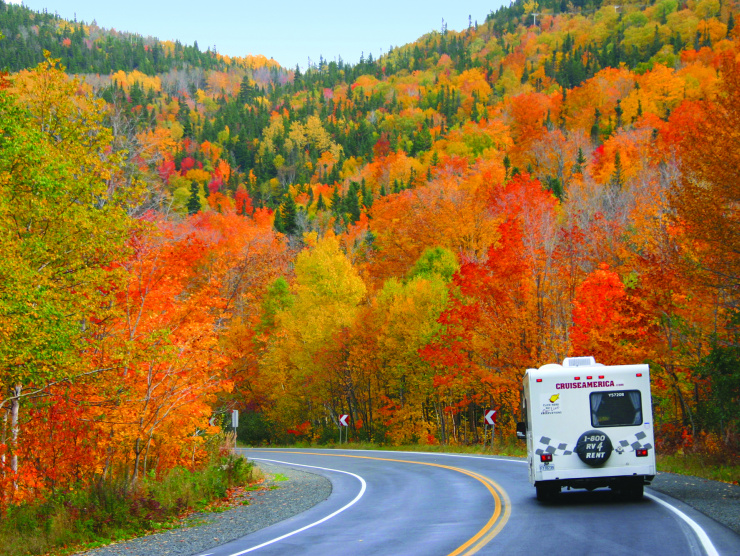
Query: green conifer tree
x=367, y=195
x=617, y=178
x=289, y=212
x=193, y=205
x=580, y=162
x=336, y=202
x=595, y=128
x=352, y=202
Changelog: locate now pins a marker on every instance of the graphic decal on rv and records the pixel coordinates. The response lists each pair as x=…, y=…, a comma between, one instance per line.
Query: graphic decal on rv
x=546, y=445
x=633, y=443
x=551, y=405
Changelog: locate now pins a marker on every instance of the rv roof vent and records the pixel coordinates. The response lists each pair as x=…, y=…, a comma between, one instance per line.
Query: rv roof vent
x=579, y=362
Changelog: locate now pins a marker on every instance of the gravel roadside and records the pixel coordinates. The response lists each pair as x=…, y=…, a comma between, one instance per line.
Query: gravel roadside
x=720, y=501
x=302, y=490
x=200, y=532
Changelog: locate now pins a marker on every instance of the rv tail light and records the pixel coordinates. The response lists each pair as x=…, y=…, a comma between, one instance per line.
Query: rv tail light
x=576, y=378
x=639, y=374
x=545, y=458
x=589, y=377
x=641, y=453
x=601, y=376
x=539, y=380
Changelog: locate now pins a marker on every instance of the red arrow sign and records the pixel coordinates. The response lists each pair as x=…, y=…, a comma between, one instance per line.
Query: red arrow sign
x=343, y=420
x=490, y=416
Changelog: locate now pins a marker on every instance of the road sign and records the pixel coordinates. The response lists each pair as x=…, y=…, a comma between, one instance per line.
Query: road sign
x=343, y=420
x=490, y=416
x=234, y=418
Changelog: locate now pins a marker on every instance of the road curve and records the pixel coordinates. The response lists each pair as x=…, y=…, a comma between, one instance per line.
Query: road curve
x=385, y=503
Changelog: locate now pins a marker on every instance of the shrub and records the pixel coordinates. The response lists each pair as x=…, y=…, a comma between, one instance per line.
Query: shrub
x=115, y=508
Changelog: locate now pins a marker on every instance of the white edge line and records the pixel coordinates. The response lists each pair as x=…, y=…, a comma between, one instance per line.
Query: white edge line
x=340, y=510
x=703, y=537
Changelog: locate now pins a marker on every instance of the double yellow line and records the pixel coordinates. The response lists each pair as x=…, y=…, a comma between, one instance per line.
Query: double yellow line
x=493, y=527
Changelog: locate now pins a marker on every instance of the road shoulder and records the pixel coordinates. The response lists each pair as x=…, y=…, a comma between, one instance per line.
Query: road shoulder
x=280, y=500
x=720, y=501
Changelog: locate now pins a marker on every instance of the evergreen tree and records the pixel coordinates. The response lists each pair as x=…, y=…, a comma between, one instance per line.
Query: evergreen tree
x=580, y=162
x=367, y=195
x=352, y=202
x=285, y=216
x=617, y=178
x=310, y=196
x=595, y=128
x=183, y=116
x=555, y=185
x=336, y=202
x=422, y=140
x=193, y=205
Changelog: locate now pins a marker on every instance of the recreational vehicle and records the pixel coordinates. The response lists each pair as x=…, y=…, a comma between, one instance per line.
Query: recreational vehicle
x=588, y=425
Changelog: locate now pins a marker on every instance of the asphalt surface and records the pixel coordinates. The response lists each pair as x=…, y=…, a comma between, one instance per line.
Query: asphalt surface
x=422, y=509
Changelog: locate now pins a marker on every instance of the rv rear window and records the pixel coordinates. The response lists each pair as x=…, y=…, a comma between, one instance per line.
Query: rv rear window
x=616, y=409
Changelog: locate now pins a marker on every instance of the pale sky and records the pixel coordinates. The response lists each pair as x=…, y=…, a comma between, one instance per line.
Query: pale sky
x=290, y=32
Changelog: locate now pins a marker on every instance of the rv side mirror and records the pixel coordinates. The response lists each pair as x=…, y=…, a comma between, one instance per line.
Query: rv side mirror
x=521, y=431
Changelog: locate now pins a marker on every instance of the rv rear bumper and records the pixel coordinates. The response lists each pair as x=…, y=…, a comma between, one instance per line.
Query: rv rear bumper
x=590, y=483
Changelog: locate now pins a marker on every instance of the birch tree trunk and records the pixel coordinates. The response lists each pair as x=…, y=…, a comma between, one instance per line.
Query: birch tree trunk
x=14, y=426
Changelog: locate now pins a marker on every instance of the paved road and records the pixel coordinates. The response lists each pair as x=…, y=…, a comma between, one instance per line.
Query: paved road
x=427, y=504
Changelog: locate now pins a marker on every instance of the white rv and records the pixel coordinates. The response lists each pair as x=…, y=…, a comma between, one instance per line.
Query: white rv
x=588, y=425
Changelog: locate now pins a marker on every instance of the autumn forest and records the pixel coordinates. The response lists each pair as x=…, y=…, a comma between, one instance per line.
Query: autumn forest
x=184, y=233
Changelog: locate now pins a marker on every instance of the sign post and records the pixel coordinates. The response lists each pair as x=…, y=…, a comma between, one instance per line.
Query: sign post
x=343, y=423
x=490, y=416
x=234, y=423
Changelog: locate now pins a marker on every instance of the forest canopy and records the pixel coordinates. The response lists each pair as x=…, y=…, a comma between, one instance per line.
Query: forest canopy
x=185, y=233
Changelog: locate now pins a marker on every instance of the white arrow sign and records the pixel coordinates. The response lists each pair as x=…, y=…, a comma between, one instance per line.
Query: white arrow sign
x=490, y=416
x=343, y=420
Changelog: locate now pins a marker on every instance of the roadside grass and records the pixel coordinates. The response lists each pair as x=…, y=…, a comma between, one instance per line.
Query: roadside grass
x=698, y=465
x=110, y=511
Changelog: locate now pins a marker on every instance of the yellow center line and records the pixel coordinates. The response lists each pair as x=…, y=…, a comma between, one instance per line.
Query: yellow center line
x=487, y=532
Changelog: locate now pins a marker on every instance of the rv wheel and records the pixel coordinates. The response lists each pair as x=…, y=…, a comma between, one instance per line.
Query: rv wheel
x=546, y=492
x=634, y=491
x=594, y=448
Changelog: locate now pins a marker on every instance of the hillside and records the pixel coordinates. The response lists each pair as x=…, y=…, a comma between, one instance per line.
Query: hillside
x=395, y=239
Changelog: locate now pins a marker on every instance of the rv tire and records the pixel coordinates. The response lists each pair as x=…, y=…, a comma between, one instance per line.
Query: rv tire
x=546, y=492
x=634, y=491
